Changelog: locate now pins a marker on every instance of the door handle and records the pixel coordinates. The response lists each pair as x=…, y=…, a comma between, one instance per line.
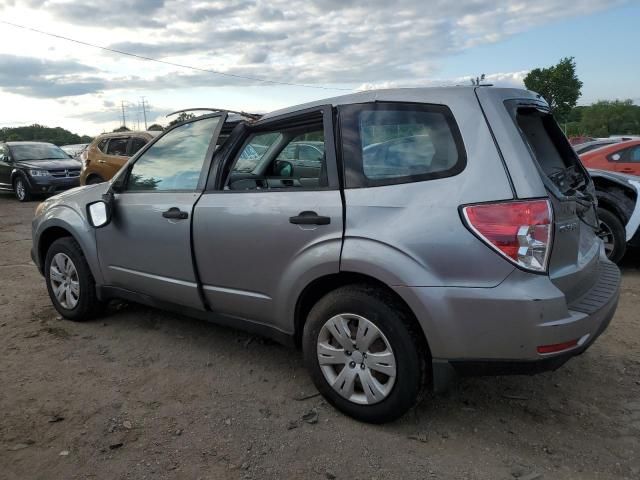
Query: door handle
x=102, y=161
x=309, y=218
x=175, y=213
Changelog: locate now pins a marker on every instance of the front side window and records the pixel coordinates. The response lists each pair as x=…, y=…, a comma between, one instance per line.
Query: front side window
x=118, y=147
x=175, y=161
x=288, y=158
x=102, y=145
x=389, y=143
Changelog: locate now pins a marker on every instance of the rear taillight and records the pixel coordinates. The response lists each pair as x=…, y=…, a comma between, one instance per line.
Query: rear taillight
x=520, y=230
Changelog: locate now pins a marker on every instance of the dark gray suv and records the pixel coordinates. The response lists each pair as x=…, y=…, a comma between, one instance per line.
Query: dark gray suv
x=439, y=232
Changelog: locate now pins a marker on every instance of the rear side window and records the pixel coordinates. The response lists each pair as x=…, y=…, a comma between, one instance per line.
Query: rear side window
x=118, y=146
x=136, y=144
x=391, y=143
x=102, y=146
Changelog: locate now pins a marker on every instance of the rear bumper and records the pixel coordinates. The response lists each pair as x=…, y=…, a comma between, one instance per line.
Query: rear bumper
x=495, y=331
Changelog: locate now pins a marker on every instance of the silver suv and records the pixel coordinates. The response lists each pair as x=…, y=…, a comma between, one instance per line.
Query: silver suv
x=440, y=232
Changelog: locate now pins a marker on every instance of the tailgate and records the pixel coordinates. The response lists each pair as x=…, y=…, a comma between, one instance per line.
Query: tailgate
x=541, y=163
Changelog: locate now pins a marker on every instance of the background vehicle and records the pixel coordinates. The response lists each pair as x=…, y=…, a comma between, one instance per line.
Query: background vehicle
x=109, y=152
x=31, y=168
x=623, y=157
x=594, y=144
x=618, y=211
x=75, y=150
x=390, y=265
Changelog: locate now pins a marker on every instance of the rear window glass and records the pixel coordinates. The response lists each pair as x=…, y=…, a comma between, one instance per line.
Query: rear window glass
x=398, y=143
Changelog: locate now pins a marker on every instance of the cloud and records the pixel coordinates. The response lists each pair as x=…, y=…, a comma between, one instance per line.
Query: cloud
x=320, y=42
x=47, y=78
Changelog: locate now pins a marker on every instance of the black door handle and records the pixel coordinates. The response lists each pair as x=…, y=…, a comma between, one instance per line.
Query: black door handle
x=310, y=218
x=175, y=213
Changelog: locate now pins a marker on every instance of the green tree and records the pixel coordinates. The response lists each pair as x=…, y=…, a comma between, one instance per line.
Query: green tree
x=122, y=129
x=558, y=84
x=183, y=117
x=156, y=127
x=617, y=117
x=40, y=133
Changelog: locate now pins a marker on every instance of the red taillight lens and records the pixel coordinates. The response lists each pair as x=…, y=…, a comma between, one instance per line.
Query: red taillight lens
x=557, y=347
x=521, y=231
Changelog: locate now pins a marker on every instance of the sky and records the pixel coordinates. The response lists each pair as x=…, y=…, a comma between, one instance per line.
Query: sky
x=279, y=53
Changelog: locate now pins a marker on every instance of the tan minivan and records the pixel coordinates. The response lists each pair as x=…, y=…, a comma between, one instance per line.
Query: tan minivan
x=109, y=152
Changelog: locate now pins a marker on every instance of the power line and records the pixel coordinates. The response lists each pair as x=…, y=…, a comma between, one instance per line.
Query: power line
x=190, y=67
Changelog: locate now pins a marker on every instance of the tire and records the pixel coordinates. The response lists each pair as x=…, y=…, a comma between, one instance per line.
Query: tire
x=613, y=234
x=398, y=335
x=87, y=305
x=94, y=180
x=21, y=189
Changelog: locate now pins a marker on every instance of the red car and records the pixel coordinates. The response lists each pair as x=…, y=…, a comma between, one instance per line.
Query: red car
x=621, y=157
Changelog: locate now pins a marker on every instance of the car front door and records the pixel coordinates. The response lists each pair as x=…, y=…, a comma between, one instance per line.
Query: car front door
x=146, y=248
x=262, y=232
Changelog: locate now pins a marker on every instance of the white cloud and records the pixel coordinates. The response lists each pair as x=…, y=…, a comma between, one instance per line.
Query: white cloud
x=321, y=42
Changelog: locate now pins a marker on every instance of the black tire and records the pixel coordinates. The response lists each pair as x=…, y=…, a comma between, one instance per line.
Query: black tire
x=21, y=189
x=612, y=231
x=411, y=357
x=94, y=180
x=88, y=306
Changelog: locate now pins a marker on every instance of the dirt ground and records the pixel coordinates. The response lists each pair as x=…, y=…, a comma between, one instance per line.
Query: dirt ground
x=144, y=394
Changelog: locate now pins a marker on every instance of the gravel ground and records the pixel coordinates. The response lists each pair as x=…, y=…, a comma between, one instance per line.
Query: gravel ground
x=141, y=393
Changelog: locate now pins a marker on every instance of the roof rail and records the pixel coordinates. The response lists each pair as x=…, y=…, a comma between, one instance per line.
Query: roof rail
x=252, y=116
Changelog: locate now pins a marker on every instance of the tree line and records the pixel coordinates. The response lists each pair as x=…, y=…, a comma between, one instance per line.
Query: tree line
x=40, y=133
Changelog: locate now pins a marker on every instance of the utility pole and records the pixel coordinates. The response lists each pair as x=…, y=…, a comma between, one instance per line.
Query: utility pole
x=124, y=120
x=144, y=112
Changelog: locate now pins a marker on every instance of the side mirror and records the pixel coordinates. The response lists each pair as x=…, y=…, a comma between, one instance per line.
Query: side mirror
x=100, y=212
x=616, y=157
x=282, y=168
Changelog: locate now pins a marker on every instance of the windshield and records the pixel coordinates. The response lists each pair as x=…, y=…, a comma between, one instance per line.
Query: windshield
x=37, y=151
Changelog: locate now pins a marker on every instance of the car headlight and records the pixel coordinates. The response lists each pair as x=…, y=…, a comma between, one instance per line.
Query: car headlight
x=39, y=209
x=39, y=173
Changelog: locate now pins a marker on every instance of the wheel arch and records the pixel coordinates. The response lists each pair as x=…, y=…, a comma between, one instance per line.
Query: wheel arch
x=321, y=286
x=68, y=225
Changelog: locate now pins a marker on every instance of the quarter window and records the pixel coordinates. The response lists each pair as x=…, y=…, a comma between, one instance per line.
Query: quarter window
x=389, y=143
x=175, y=161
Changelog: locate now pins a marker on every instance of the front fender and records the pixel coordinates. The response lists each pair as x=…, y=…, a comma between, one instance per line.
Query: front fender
x=68, y=218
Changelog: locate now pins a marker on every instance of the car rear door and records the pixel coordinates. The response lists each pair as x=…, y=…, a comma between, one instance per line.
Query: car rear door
x=626, y=160
x=260, y=237
x=115, y=156
x=146, y=248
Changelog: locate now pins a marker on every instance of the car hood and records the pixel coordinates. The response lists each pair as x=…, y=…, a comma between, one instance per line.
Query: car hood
x=61, y=164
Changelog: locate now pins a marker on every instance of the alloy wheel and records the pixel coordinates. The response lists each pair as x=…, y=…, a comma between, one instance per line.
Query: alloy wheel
x=64, y=281
x=356, y=359
x=606, y=235
x=21, y=190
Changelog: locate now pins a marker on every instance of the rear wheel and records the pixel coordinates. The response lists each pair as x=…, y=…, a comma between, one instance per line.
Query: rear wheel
x=363, y=355
x=21, y=189
x=70, y=283
x=613, y=235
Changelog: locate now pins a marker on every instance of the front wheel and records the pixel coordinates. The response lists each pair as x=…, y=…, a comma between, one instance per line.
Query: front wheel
x=21, y=189
x=363, y=353
x=69, y=280
x=613, y=235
